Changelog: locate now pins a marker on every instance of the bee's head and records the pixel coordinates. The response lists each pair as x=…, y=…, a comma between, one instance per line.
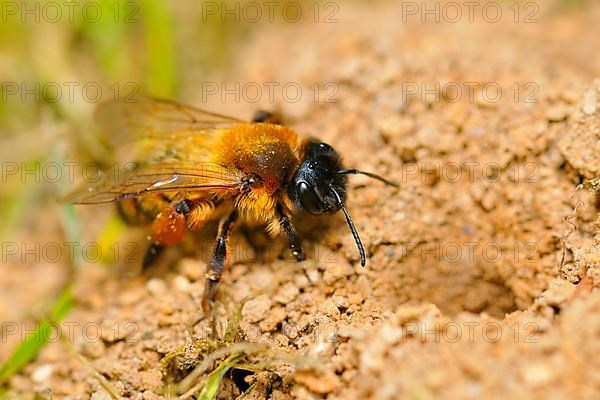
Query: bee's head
x=314, y=186
x=319, y=184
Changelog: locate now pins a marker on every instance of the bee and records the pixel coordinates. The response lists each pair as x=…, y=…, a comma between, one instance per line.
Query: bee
x=193, y=166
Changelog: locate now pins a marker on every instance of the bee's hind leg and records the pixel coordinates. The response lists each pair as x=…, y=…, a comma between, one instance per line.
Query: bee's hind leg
x=218, y=260
x=152, y=254
x=168, y=229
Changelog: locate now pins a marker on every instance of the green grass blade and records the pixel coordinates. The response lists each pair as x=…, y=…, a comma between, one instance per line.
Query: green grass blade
x=213, y=382
x=29, y=349
x=159, y=38
x=72, y=228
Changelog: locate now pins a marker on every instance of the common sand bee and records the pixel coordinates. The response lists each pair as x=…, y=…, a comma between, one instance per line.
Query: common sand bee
x=193, y=166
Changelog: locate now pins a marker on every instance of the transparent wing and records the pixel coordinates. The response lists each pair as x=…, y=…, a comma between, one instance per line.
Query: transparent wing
x=168, y=142
x=143, y=118
x=158, y=178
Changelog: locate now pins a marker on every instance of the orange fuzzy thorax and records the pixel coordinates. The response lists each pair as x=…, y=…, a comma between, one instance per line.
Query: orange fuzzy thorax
x=265, y=150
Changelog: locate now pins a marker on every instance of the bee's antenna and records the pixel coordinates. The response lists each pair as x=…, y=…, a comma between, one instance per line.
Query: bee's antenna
x=361, y=249
x=369, y=174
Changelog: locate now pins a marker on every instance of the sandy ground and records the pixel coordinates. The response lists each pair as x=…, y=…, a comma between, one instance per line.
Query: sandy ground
x=483, y=275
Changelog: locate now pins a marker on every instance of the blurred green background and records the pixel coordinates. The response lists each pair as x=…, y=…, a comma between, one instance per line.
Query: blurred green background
x=58, y=60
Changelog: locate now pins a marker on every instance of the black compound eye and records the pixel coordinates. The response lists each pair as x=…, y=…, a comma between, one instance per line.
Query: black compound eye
x=308, y=198
x=325, y=147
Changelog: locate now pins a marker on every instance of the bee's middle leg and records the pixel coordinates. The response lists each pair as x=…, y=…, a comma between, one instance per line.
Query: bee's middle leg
x=294, y=242
x=218, y=260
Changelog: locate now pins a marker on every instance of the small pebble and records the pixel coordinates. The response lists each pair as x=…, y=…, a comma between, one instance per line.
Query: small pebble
x=181, y=283
x=313, y=276
x=101, y=395
x=589, y=102
x=192, y=269
x=538, y=374
x=156, y=286
x=256, y=309
x=557, y=113
x=42, y=373
x=287, y=293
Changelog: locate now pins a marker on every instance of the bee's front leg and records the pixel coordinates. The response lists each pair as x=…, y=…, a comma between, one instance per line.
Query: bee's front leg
x=290, y=234
x=218, y=260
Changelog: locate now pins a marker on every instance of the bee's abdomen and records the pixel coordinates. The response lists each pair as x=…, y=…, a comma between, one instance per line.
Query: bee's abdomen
x=142, y=210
